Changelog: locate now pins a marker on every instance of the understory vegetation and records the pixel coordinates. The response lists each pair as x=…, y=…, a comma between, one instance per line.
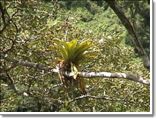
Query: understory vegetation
x=73, y=37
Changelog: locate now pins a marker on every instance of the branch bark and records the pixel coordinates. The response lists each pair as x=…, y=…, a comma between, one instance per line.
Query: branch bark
x=129, y=76
x=125, y=21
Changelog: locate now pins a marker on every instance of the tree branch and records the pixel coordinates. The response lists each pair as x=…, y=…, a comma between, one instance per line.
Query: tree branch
x=3, y=13
x=125, y=21
x=105, y=97
x=128, y=76
x=7, y=79
x=28, y=64
x=93, y=97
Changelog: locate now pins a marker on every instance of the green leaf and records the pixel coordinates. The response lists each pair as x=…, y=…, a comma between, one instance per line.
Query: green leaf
x=72, y=51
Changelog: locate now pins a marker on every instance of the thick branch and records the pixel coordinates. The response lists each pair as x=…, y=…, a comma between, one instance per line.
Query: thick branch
x=127, y=24
x=131, y=30
x=129, y=76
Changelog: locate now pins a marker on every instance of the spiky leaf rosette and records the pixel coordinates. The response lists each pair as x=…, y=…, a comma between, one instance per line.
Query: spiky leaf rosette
x=74, y=52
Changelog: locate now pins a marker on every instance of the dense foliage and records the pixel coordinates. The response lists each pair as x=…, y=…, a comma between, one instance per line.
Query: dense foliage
x=28, y=31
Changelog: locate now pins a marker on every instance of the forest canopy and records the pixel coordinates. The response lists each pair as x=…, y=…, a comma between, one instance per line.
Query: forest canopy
x=75, y=56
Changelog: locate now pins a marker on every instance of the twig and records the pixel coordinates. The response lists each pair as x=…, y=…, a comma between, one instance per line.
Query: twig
x=94, y=97
x=7, y=79
x=57, y=85
x=28, y=64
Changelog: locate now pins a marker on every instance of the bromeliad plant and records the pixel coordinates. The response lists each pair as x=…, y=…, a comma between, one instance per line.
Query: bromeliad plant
x=71, y=54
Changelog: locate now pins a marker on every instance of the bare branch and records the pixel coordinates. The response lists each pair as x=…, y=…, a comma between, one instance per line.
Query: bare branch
x=57, y=85
x=128, y=76
x=6, y=22
x=28, y=64
x=8, y=80
x=94, y=97
x=127, y=25
x=2, y=13
x=125, y=21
